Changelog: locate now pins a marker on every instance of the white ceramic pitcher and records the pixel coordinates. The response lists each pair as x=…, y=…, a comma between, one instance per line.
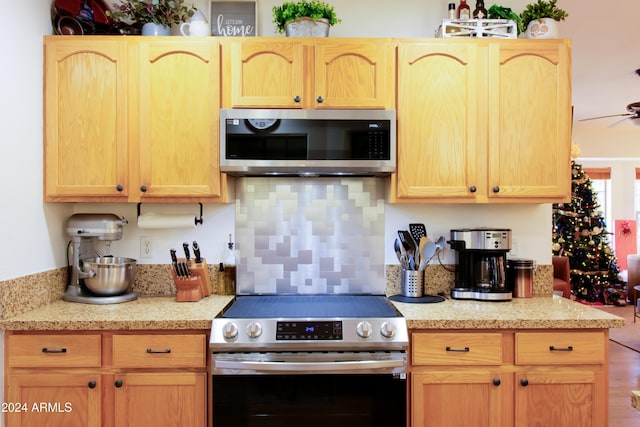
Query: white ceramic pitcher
x=196, y=27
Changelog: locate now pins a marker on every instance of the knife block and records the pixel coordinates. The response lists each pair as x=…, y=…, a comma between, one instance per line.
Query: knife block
x=195, y=287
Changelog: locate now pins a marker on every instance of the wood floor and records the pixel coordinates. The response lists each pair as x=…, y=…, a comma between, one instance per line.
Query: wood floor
x=624, y=376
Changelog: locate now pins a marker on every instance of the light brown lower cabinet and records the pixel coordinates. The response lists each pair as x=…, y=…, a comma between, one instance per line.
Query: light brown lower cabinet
x=106, y=378
x=509, y=378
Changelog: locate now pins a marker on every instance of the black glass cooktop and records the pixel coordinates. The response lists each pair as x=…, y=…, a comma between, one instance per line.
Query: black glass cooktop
x=312, y=306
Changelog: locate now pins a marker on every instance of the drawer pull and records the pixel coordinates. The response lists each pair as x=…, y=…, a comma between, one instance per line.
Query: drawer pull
x=152, y=351
x=458, y=350
x=48, y=350
x=553, y=348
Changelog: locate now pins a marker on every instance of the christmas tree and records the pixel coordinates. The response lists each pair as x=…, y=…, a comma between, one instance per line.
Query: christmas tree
x=580, y=233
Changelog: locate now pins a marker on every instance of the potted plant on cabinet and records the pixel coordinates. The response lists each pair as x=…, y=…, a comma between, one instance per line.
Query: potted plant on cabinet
x=154, y=16
x=304, y=18
x=540, y=19
x=501, y=12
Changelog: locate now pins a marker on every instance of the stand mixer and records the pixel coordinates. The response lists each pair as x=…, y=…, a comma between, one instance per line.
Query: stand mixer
x=83, y=229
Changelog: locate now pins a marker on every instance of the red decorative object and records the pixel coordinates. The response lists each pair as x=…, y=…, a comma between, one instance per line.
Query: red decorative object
x=625, y=241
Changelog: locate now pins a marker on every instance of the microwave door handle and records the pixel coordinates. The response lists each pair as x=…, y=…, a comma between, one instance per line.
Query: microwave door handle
x=346, y=366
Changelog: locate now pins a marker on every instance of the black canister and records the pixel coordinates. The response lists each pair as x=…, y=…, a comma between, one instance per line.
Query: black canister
x=520, y=273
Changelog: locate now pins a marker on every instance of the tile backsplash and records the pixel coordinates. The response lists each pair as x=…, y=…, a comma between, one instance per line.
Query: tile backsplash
x=310, y=235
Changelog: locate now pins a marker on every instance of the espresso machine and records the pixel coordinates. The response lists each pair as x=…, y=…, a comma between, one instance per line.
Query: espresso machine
x=95, y=278
x=480, y=263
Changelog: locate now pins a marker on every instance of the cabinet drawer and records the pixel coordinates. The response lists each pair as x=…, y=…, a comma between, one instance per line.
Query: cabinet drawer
x=159, y=351
x=47, y=351
x=458, y=348
x=544, y=348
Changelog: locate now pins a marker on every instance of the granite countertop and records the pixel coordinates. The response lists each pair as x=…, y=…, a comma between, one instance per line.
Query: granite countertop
x=544, y=312
x=159, y=313
x=164, y=313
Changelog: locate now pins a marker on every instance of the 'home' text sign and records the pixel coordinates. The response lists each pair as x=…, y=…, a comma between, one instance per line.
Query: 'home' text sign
x=233, y=18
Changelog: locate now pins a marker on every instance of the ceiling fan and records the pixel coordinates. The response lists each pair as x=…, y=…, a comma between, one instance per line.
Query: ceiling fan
x=633, y=111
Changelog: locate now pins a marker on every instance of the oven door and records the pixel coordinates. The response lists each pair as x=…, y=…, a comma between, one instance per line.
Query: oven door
x=309, y=389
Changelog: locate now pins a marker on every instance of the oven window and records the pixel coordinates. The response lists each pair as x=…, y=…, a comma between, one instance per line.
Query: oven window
x=309, y=401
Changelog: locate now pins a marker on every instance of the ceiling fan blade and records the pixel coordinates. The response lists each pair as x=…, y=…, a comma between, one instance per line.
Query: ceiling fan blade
x=604, y=117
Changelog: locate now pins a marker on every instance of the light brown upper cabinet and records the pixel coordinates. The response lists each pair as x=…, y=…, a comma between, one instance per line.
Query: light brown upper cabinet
x=308, y=73
x=132, y=119
x=483, y=121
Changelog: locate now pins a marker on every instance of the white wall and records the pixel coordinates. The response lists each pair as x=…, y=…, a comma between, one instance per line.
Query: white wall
x=30, y=234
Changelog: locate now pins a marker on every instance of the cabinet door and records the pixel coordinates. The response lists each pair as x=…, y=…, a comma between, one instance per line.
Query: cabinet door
x=161, y=399
x=176, y=101
x=85, y=116
x=473, y=398
x=353, y=74
x=266, y=73
x=529, y=119
x=560, y=397
x=56, y=400
x=438, y=121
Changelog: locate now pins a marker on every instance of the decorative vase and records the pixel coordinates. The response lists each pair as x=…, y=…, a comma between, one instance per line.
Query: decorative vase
x=153, y=29
x=307, y=27
x=543, y=28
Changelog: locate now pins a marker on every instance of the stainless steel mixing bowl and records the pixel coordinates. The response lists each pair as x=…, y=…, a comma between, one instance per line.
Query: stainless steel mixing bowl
x=113, y=275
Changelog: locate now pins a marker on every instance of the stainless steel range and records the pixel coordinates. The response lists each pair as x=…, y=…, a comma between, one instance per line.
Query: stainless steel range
x=309, y=360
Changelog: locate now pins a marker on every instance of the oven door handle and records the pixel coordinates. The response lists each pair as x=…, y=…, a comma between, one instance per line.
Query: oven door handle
x=285, y=366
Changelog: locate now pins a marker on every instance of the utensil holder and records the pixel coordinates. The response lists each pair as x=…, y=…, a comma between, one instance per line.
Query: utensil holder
x=411, y=282
x=194, y=287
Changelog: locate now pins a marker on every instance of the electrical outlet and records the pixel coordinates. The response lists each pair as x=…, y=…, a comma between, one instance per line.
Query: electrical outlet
x=146, y=248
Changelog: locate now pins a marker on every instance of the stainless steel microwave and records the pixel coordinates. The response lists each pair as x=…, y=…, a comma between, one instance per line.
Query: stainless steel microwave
x=307, y=142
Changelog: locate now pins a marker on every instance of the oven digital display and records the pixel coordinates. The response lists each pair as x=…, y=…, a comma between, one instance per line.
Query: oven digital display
x=317, y=331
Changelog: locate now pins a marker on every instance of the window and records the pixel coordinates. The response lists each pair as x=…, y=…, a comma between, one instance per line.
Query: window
x=601, y=184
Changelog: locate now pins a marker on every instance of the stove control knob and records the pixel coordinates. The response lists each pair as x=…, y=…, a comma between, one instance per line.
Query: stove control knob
x=230, y=330
x=254, y=330
x=388, y=330
x=364, y=329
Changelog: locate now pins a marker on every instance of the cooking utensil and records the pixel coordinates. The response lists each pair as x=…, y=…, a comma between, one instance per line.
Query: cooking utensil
x=409, y=246
x=196, y=252
x=185, y=246
x=397, y=249
x=174, y=261
x=109, y=276
x=428, y=251
x=417, y=231
x=404, y=260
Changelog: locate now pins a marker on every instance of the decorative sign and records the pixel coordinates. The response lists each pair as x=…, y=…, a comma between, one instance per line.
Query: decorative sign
x=233, y=18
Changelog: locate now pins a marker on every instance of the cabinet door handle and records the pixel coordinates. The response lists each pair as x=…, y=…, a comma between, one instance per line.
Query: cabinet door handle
x=91, y=384
x=143, y=188
x=524, y=382
x=496, y=382
x=320, y=99
x=118, y=383
x=296, y=99
x=119, y=187
x=53, y=350
x=554, y=348
x=165, y=351
x=473, y=189
x=496, y=189
x=458, y=350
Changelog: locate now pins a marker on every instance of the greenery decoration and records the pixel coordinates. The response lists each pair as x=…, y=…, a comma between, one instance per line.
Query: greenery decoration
x=501, y=12
x=163, y=12
x=542, y=9
x=314, y=9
